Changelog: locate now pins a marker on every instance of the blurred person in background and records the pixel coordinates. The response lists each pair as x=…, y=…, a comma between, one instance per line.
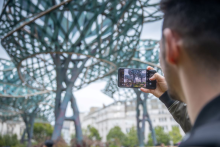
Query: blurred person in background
x=48, y=143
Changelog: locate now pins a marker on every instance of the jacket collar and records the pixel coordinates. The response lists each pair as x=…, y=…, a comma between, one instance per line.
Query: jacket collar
x=209, y=113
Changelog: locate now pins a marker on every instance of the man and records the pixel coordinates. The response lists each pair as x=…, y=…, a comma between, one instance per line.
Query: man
x=190, y=59
x=177, y=109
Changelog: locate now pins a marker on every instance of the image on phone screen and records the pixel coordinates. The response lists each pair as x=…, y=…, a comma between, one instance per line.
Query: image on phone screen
x=132, y=78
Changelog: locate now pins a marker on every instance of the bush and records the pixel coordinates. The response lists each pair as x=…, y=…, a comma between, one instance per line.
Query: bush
x=161, y=136
x=42, y=131
x=115, y=137
x=131, y=139
x=93, y=133
x=88, y=143
x=59, y=143
x=10, y=140
x=175, y=134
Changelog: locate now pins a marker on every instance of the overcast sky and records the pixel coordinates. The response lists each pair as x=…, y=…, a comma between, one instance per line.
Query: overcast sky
x=91, y=96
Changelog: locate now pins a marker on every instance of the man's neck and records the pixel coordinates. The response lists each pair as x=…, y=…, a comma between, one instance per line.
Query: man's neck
x=198, y=91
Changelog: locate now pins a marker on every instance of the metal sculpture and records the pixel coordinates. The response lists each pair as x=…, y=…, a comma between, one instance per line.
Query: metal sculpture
x=81, y=38
x=9, y=113
x=64, y=45
x=21, y=101
x=151, y=10
x=147, y=53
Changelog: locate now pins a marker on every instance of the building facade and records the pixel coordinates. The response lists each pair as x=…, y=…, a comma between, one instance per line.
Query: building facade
x=123, y=114
x=11, y=127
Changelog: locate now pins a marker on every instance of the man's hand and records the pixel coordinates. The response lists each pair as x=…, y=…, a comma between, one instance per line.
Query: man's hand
x=161, y=84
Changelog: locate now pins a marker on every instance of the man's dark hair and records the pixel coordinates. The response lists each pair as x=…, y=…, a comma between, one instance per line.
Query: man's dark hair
x=198, y=24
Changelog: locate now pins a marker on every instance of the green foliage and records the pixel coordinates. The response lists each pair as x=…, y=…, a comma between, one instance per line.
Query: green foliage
x=116, y=137
x=93, y=133
x=42, y=130
x=175, y=135
x=161, y=136
x=10, y=140
x=131, y=139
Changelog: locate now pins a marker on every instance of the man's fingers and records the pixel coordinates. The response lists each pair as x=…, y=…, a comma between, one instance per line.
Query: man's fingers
x=150, y=68
x=146, y=90
x=157, y=77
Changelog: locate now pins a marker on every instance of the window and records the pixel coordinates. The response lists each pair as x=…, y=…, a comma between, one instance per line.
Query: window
x=165, y=128
x=162, y=119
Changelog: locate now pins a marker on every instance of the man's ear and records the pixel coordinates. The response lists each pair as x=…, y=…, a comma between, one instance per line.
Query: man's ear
x=172, y=48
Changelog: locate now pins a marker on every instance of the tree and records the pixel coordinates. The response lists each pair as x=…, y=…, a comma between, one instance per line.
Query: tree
x=175, y=135
x=42, y=130
x=161, y=136
x=115, y=137
x=93, y=133
x=131, y=139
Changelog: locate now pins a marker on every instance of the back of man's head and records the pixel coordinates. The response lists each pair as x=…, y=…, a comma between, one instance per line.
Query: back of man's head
x=198, y=24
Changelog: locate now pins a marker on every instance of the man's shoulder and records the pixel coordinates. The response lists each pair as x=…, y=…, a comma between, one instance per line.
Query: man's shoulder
x=205, y=135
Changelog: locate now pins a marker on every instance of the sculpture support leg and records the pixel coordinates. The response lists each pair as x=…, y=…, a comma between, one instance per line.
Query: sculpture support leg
x=152, y=132
x=23, y=136
x=149, y=120
x=29, y=123
x=31, y=128
x=79, y=136
x=61, y=116
x=140, y=129
x=143, y=124
x=145, y=117
x=59, y=84
x=61, y=73
x=75, y=71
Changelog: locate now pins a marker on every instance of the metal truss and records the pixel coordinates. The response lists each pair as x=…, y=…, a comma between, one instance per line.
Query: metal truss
x=151, y=10
x=9, y=113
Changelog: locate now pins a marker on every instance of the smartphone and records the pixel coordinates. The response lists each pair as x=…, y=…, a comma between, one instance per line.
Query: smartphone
x=135, y=78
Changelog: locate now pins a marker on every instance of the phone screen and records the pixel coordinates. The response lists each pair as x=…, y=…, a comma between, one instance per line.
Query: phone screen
x=136, y=78
x=132, y=78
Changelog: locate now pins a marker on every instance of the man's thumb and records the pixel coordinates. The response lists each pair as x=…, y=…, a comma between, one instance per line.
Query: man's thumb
x=154, y=77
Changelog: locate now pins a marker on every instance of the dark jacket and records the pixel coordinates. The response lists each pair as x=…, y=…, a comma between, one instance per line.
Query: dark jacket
x=178, y=111
x=206, y=130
